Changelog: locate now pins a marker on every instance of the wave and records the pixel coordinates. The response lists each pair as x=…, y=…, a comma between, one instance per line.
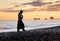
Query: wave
x=5, y=29
x=12, y=25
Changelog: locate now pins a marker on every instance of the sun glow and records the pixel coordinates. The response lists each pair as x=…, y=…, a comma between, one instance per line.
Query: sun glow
x=9, y=9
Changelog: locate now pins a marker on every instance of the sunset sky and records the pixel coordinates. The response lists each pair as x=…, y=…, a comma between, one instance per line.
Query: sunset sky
x=9, y=9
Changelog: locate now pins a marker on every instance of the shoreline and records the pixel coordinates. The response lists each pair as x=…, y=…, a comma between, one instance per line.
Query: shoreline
x=44, y=34
x=14, y=30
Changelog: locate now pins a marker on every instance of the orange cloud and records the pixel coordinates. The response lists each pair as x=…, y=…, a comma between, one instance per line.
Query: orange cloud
x=51, y=6
x=8, y=10
x=55, y=7
x=34, y=3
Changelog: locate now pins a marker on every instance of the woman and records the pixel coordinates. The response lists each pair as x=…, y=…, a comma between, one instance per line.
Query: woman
x=20, y=24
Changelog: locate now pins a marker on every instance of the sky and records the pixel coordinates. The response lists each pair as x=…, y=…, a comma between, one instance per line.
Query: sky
x=9, y=9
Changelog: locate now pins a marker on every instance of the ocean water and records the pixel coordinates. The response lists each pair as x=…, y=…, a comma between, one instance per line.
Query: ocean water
x=11, y=25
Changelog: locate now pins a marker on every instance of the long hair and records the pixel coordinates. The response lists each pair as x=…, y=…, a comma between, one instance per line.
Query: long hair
x=21, y=11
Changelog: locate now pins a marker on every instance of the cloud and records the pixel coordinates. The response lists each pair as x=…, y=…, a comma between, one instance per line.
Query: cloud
x=48, y=3
x=57, y=2
x=34, y=3
x=50, y=6
x=16, y=5
x=55, y=7
x=8, y=10
x=25, y=10
x=31, y=10
x=37, y=3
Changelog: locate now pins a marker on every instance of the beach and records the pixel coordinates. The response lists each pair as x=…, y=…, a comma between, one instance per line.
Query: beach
x=42, y=34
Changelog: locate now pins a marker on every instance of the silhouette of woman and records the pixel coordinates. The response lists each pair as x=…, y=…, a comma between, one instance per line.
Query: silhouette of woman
x=20, y=24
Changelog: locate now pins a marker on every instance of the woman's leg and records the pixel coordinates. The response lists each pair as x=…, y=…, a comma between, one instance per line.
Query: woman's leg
x=18, y=26
x=23, y=29
x=23, y=26
x=17, y=29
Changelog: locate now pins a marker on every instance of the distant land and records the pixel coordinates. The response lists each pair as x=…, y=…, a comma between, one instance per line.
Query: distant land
x=51, y=18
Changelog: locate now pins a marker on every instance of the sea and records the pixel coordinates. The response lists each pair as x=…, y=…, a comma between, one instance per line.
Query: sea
x=11, y=25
